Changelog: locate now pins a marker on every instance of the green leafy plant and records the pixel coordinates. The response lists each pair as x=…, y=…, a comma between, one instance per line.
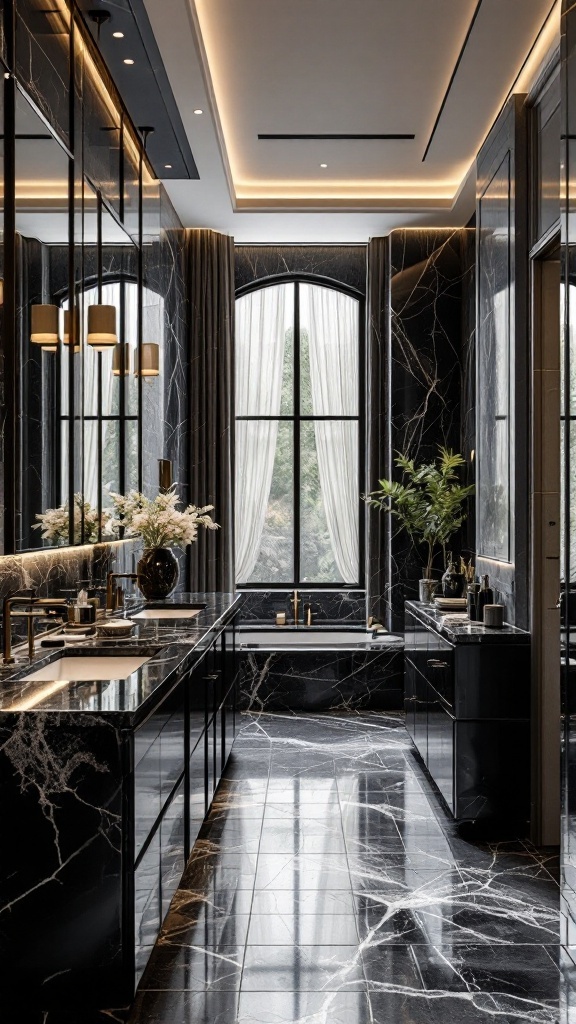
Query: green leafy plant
x=429, y=501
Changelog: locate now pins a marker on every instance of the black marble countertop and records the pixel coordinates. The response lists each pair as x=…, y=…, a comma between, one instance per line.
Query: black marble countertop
x=175, y=645
x=463, y=631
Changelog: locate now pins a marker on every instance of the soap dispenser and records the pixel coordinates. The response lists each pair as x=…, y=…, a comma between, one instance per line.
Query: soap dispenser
x=83, y=612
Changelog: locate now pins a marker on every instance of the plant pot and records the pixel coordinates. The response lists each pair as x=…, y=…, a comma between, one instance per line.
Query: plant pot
x=426, y=590
x=158, y=573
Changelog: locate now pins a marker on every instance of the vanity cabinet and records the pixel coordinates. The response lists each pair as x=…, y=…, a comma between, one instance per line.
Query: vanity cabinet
x=103, y=789
x=467, y=703
x=180, y=753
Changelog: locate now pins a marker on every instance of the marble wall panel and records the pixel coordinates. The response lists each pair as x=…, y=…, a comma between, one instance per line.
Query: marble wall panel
x=343, y=263
x=321, y=680
x=329, y=607
x=415, y=382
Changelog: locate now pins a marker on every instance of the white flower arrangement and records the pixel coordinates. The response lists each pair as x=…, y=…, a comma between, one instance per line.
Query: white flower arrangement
x=55, y=522
x=158, y=521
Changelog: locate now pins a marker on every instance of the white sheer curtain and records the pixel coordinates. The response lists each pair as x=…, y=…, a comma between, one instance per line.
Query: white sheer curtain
x=259, y=349
x=333, y=340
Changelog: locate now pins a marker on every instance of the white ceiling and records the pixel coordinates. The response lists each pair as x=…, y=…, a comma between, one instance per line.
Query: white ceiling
x=339, y=66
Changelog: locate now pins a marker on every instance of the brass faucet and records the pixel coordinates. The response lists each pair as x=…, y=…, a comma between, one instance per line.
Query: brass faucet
x=45, y=604
x=295, y=602
x=111, y=602
x=308, y=612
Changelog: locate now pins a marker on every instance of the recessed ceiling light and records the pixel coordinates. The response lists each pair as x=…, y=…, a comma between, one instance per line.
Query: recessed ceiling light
x=118, y=35
x=128, y=60
x=168, y=167
x=198, y=111
x=323, y=165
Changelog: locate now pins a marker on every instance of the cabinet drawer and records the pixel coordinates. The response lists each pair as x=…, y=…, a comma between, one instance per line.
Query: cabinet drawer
x=157, y=770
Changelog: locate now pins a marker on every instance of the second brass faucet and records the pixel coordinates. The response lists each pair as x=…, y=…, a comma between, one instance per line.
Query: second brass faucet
x=295, y=601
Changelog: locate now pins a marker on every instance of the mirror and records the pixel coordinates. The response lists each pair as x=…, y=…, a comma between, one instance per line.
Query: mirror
x=109, y=313
x=42, y=360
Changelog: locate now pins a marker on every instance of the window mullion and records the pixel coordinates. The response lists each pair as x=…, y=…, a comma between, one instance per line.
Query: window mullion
x=296, y=398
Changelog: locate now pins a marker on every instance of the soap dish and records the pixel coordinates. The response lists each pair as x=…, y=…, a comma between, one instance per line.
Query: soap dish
x=114, y=627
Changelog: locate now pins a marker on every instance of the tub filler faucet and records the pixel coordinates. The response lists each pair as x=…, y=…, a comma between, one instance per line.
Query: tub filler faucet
x=295, y=602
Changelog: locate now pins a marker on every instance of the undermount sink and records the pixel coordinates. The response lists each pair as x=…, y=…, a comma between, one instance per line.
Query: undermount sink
x=89, y=669
x=167, y=613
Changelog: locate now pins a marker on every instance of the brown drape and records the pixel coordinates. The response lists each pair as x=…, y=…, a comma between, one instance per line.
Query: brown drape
x=211, y=385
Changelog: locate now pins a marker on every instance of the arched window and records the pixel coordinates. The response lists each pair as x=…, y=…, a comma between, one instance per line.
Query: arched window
x=298, y=434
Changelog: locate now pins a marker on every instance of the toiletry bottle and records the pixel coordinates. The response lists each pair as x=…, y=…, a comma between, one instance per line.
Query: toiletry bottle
x=485, y=596
x=472, y=601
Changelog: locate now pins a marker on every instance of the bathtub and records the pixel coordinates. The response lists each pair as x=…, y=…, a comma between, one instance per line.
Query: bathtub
x=308, y=669
x=281, y=637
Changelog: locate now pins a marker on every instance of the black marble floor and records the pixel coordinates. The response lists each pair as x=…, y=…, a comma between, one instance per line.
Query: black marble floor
x=330, y=887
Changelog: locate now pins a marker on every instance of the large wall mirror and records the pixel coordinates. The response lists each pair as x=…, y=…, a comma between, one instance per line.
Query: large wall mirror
x=42, y=364
x=87, y=297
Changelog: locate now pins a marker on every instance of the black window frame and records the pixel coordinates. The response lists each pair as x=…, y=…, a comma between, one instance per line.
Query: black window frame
x=297, y=417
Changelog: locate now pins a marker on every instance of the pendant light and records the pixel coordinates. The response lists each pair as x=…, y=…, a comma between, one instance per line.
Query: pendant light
x=102, y=327
x=67, y=323
x=44, y=326
x=121, y=360
x=150, y=356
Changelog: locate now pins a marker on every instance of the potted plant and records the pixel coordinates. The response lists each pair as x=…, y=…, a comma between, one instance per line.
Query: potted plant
x=55, y=522
x=428, y=503
x=160, y=524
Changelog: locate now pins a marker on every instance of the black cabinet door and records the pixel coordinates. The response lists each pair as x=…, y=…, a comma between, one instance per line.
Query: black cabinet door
x=410, y=697
x=421, y=714
x=441, y=747
x=158, y=762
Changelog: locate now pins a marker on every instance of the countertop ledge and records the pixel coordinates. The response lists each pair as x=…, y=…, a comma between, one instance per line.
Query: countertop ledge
x=468, y=632
x=177, y=646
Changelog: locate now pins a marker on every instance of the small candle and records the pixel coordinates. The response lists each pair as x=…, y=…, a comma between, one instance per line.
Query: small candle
x=280, y=618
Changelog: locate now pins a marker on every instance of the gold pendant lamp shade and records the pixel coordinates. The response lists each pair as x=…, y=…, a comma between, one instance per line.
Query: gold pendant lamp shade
x=102, y=327
x=44, y=326
x=150, y=360
x=67, y=325
x=121, y=360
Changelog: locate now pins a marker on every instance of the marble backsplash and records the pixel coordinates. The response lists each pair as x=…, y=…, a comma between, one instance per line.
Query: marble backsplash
x=61, y=572
x=329, y=607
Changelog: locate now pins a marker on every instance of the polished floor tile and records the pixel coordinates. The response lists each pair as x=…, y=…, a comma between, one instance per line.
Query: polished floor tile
x=309, y=968
x=305, y=1007
x=329, y=885
x=303, y=929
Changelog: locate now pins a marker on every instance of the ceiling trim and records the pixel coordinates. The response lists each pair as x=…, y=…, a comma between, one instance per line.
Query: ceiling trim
x=340, y=137
x=452, y=77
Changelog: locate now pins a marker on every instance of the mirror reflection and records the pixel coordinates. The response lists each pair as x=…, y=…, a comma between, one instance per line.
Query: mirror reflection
x=42, y=275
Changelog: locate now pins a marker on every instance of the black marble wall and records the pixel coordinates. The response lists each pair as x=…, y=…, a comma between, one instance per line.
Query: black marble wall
x=343, y=263
x=416, y=369
x=329, y=607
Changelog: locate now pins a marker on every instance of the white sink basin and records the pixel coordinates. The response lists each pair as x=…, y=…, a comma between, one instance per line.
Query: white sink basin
x=89, y=669
x=167, y=613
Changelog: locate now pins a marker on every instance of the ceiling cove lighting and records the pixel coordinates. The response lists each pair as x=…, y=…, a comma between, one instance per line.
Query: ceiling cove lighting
x=102, y=327
x=150, y=360
x=44, y=326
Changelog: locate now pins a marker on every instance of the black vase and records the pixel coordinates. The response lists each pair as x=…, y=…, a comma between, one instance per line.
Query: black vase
x=158, y=573
x=453, y=583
